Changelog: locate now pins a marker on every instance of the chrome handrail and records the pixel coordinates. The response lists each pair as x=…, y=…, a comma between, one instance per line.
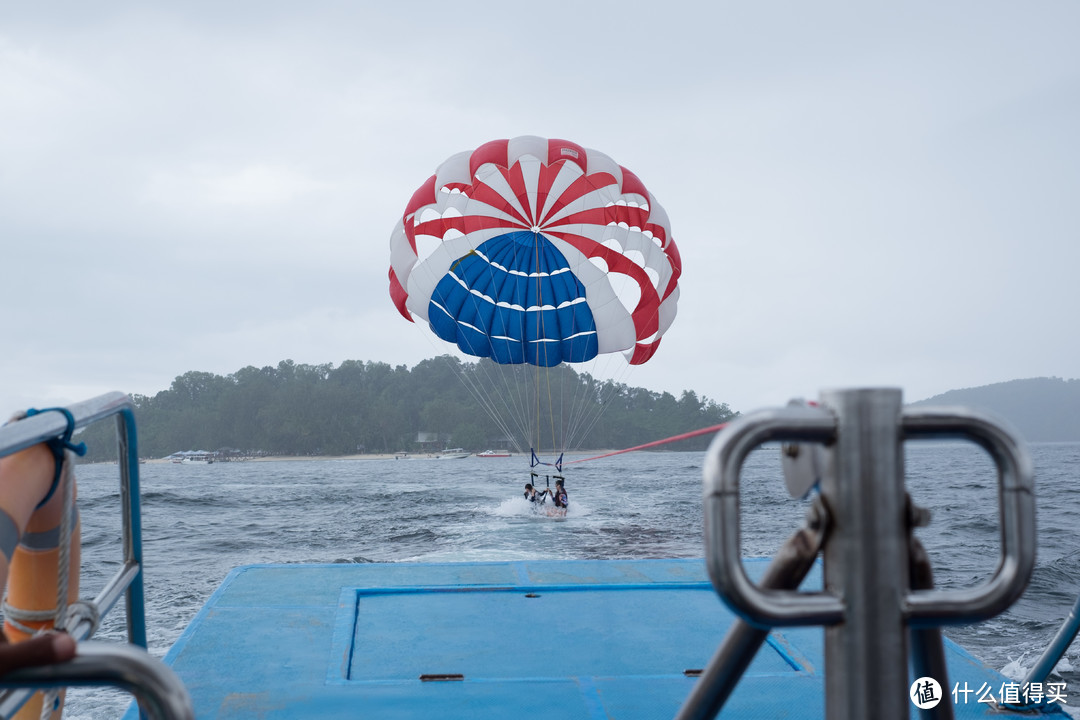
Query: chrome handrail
x=776, y=608
x=1016, y=512
x=870, y=598
x=157, y=689
x=761, y=607
x=121, y=666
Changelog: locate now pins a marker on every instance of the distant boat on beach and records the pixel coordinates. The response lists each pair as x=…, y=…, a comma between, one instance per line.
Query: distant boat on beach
x=453, y=454
x=494, y=454
x=192, y=457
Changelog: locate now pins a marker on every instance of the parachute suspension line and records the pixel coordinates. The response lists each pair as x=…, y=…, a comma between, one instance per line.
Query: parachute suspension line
x=514, y=396
x=595, y=398
x=594, y=406
x=514, y=392
x=484, y=382
x=516, y=384
x=540, y=334
x=489, y=406
x=470, y=385
x=505, y=389
x=559, y=437
x=551, y=412
x=504, y=383
x=473, y=376
x=523, y=374
x=587, y=401
x=580, y=412
x=576, y=404
x=475, y=387
x=585, y=406
x=606, y=391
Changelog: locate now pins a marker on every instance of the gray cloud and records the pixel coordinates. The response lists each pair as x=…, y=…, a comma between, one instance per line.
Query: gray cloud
x=861, y=195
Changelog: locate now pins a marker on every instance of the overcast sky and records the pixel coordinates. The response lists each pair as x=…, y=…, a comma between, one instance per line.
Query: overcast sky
x=861, y=195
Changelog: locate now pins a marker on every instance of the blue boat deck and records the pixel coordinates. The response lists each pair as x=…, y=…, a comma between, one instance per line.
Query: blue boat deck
x=546, y=639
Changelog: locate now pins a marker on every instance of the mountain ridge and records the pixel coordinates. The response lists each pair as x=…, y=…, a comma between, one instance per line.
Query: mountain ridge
x=1041, y=409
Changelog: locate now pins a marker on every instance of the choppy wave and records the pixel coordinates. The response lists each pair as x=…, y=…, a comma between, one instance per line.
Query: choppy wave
x=202, y=521
x=520, y=507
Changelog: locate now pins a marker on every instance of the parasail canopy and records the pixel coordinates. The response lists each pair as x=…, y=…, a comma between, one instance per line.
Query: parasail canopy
x=539, y=252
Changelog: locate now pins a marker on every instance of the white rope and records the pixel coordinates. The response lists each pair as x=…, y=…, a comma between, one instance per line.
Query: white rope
x=50, y=699
x=67, y=486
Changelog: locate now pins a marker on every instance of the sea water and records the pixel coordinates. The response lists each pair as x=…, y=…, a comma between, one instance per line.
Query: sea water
x=200, y=521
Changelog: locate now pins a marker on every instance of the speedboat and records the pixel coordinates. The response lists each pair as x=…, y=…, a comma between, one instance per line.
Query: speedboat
x=453, y=454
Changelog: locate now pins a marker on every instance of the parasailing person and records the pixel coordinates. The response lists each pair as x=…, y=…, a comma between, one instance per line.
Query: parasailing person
x=535, y=496
x=559, y=495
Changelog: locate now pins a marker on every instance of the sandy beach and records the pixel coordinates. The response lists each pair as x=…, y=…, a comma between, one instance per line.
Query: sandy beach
x=376, y=456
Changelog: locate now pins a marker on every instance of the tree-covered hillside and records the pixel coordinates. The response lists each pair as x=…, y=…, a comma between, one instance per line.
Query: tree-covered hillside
x=296, y=409
x=1041, y=409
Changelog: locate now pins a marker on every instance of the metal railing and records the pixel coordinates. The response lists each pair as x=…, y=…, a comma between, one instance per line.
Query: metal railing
x=878, y=586
x=1040, y=671
x=159, y=692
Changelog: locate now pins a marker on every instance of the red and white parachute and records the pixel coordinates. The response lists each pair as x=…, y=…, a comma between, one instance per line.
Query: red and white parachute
x=537, y=252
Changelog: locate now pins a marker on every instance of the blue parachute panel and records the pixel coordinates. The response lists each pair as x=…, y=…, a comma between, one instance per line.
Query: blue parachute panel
x=515, y=300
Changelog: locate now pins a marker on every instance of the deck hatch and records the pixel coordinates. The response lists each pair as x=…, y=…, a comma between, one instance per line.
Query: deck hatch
x=546, y=632
x=300, y=670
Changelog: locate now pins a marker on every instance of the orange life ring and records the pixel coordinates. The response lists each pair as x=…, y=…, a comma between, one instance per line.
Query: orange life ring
x=33, y=579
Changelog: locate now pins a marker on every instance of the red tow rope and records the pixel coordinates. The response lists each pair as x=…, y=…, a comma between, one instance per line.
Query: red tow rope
x=654, y=443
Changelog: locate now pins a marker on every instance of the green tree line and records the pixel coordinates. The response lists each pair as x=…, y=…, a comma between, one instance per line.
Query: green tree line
x=297, y=409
